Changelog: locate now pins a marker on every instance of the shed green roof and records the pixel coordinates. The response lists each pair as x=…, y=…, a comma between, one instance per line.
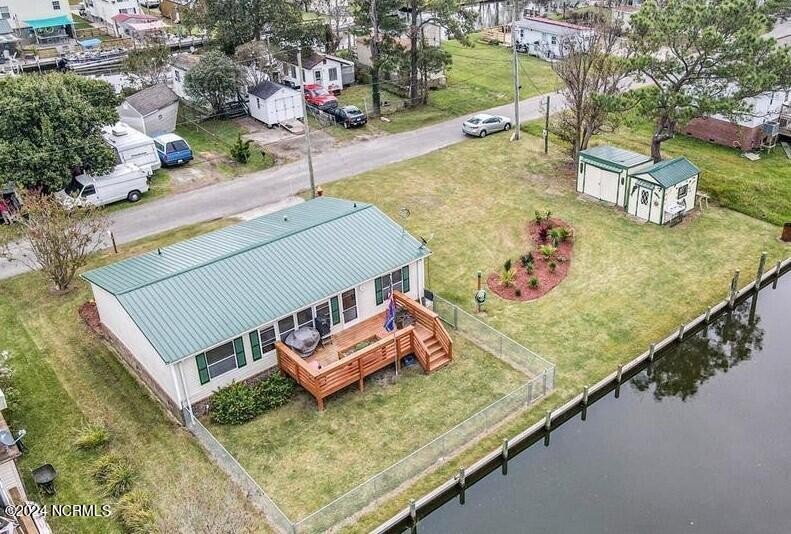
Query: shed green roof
x=197, y=293
x=619, y=157
x=671, y=171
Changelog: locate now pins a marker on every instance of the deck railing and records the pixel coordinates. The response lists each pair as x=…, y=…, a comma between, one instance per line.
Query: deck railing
x=427, y=319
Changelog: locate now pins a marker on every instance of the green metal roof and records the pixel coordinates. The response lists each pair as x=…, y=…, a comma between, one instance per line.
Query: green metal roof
x=671, y=171
x=195, y=294
x=619, y=157
x=51, y=22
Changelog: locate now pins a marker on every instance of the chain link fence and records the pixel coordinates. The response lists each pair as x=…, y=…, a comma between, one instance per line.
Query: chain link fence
x=491, y=340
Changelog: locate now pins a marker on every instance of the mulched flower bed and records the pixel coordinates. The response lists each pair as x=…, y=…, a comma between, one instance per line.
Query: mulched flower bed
x=547, y=280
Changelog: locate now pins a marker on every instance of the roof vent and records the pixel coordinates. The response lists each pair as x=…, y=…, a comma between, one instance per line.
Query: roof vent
x=120, y=129
x=285, y=218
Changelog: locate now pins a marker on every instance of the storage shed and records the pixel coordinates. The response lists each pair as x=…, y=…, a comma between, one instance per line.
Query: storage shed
x=272, y=103
x=152, y=111
x=663, y=192
x=603, y=172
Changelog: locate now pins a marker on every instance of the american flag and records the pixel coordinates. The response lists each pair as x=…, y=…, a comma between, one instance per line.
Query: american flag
x=390, y=315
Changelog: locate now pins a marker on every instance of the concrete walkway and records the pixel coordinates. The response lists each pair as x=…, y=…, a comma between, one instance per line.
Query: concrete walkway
x=273, y=185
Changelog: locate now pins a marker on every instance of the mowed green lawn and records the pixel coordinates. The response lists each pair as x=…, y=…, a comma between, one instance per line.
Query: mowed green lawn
x=305, y=458
x=630, y=284
x=64, y=377
x=480, y=77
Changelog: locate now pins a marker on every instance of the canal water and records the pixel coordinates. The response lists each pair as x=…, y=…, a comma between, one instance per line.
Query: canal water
x=700, y=445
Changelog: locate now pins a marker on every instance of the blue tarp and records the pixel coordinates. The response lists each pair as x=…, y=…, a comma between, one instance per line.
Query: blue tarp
x=90, y=43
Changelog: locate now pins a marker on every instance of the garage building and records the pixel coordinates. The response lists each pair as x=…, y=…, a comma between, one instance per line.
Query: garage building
x=604, y=171
x=272, y=103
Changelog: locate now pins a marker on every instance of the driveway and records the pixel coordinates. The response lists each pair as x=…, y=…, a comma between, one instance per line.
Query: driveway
x=272, y=185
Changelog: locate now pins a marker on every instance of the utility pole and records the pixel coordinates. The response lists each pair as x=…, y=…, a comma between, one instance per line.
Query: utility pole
x=546, y=128
x=517, y=131
x=307, y=124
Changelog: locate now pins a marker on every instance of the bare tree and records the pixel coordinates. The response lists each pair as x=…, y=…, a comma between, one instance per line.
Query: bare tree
x=592, y=69
x=337, y=11
x=59, y=238
x=257, y=61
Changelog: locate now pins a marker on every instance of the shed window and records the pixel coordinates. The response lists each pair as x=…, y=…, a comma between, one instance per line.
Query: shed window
x=349, y=301
x=333, y=74
x=285, y=326
x=682, y=191
x=644, y=197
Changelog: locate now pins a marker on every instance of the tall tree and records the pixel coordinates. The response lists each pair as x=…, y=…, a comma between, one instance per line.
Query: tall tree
x=453, y=16
x=592, y=72
x=215, y=80
x=148, y=63
x=235, y=22
x=61, y=238
x=702, y=57
x=257, y=59
x=376, y=21
x=50, y=125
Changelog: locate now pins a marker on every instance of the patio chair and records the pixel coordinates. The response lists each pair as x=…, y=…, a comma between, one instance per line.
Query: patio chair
x=322, y=324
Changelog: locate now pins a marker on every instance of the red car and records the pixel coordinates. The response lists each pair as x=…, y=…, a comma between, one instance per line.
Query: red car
x=317, y=96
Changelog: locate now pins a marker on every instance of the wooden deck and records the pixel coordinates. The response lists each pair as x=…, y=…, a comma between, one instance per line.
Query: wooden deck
x=337, y=365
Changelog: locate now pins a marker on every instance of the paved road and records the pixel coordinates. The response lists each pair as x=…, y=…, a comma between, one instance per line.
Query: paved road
x=272, y=185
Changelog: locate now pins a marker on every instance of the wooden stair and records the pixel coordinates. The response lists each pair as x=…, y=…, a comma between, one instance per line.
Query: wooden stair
x=437, y=356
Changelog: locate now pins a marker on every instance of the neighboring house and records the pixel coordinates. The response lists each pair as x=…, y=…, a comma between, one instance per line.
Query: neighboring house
x=152, y=111
x=754, y=131
x=174, y=9
x=180, y=65
x=331, y=72
x=272, y=103
x=197, y=315
x=436, y=79
x=105, y=10
x=8, y=40
x=663, y=192
x=604, y=170
x=544, y=38
x=139, y=26
x=40, y=22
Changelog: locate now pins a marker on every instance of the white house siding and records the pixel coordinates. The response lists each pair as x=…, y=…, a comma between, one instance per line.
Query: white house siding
x=283, y=106
x=366, y=307
x=606, y=185
x=117, y=321
x=319, y=74
x=131, y=117
x=161, y=121
x=671, y=195
x=9, y=478
x=22, y=10
x=177, y=81
x=105, y=10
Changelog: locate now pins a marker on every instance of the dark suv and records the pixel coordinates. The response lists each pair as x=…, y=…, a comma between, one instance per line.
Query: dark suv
x=349, y=116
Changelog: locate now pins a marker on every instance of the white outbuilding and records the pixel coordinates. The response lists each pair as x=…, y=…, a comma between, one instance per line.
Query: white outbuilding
x=603, y=172
x=272, y=103
x=152, y=110
x=664, y=192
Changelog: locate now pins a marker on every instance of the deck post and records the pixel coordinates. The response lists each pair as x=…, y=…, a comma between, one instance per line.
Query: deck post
x=548, y=421
x=320, y=402
x=760, y=274
x=585, y=392
x=462, y=481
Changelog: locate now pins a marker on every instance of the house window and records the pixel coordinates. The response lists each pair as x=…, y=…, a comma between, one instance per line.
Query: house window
x=220, y=360
x=56, y=5
x=317, y=76
x=349, y=301
x=268, y=338
x=305, y=317
x=124, y=11
x=333, y=74
x=554, y=39
x=285, y=326
x=682, y=191
x=5, y=13
x=177, y=75
x=398, y=280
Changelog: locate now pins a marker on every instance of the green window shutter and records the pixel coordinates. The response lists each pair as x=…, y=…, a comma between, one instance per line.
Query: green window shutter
x=255, y=344
x=238, y=347
x=379, y=295
x=203, y=370
x=405, y=278
x=335, y=310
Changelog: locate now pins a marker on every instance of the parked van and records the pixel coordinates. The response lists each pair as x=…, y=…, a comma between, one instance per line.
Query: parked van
x=172, y=150
x=132, y=146
x=126, y=181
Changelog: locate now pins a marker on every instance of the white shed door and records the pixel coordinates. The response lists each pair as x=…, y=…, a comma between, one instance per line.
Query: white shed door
x=592, y=178
x=642, y=206
x=608, y=184
x=284, y=109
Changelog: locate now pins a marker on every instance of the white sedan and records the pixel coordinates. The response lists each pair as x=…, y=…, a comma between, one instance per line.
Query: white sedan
x=482, y=124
